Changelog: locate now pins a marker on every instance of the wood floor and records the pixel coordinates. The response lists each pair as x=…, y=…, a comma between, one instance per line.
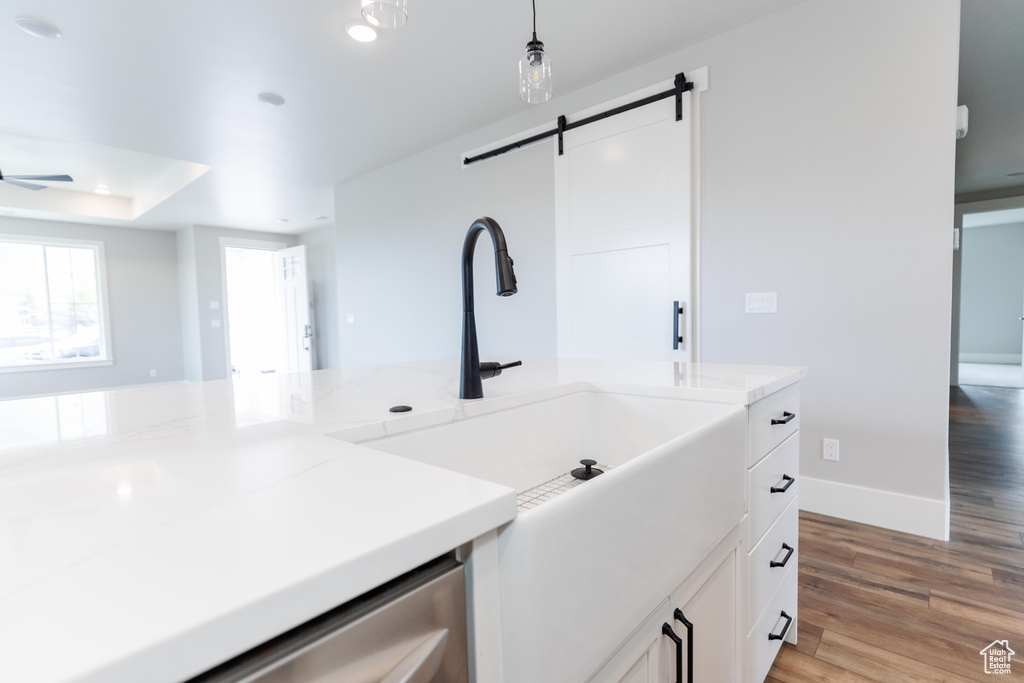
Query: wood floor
x=884, y=606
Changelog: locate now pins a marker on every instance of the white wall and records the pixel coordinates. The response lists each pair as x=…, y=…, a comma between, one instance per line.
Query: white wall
x=142, y=290
x=992, y=294
x=189, y=309
x=205, y=350
x=827, y=176
x=321, y=269
x=399, y=256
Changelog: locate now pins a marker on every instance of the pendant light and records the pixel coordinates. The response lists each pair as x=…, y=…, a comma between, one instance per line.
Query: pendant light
x=385, y=13
x=535, y=69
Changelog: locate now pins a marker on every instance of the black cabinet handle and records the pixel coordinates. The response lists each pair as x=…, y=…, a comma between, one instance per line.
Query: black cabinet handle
x=678, y=614
x=666, y=629
x=785, y=546
x=786, y=417
x=677, y=311
x=785, y=487
x=785, y=629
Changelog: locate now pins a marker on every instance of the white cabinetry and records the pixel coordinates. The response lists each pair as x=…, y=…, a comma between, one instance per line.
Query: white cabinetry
x=772, y=528
x=693, y=635
x=740, y=601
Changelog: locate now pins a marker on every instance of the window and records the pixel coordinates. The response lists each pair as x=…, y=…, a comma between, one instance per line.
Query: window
x=52, y=304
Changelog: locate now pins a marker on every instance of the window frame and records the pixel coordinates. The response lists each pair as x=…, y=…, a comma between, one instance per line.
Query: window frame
x=102, y=302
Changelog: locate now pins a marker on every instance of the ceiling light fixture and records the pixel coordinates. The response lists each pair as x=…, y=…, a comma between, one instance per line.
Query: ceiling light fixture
x=385, y=13
x=38, y=28
x=321, y=217
x=357, y=30
x=270, y=98
x=101, y=190
x=535, y=69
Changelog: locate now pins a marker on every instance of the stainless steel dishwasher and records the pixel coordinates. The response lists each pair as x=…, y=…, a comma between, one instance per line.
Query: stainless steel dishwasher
x=411, y=630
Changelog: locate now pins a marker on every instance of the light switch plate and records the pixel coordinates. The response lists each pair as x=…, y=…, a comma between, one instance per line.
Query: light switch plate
x=762, y=302
x=214, y=323
x=350, y=318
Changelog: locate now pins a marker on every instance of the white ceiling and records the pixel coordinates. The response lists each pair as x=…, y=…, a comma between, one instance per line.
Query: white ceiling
x=992, y=87
x=179, y=80
x=136, y=182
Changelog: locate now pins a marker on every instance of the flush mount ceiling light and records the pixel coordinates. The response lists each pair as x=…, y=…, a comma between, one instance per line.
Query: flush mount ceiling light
x=101, y=190
x=270, y=98
x=535, y=69
x=38, y=28
x=357, y=30
x=385, y=13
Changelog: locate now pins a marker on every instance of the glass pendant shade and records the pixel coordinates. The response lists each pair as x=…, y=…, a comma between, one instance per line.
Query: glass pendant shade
x=535, y=74
x=385, y=13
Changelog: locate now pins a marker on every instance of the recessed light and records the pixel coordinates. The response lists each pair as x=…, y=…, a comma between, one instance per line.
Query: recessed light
x=38, y=28
x=101, y=190
x=321, y=217
x=282, y=220
x=270, y=98
x=357, y=30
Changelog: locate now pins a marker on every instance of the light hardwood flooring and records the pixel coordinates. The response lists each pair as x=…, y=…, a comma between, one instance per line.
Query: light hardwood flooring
x=880, y=605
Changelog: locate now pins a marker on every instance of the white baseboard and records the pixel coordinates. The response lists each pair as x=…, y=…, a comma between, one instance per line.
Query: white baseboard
x=897, y=511
x=991, y=358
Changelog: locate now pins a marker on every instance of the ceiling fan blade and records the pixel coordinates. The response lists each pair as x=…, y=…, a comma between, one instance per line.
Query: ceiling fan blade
x=61, y=178
x=27, y=186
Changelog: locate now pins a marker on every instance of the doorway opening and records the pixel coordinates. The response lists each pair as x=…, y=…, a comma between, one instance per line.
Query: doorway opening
x=254, y=328
x=991, y=333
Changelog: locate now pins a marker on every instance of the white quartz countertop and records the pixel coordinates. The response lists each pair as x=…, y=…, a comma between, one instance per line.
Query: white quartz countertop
x=151, y=533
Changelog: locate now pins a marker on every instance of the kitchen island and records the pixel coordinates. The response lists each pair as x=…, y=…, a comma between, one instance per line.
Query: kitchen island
x=154, y=532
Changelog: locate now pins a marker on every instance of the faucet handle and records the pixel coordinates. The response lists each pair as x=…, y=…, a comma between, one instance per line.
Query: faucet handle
x=492, y=369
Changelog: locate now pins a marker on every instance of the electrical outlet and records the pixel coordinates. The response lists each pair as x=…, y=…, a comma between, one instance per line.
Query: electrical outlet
x=152, y=373
x=830, y=449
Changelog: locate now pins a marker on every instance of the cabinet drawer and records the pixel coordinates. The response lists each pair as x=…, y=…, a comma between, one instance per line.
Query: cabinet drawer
x=783, y=408
x=767, y=480
x=762, y=578
x=760, y=650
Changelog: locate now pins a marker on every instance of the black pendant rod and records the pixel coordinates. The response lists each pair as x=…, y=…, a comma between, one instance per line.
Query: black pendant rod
x=681, y=85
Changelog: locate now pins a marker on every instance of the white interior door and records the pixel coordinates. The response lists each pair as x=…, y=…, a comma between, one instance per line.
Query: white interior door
x=623, y=211
x=293, y=303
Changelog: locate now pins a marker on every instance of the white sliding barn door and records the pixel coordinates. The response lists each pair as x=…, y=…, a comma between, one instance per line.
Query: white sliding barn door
x=293, y=302
x=623, y=211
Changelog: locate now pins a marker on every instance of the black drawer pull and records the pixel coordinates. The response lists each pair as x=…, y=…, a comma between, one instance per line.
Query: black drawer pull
x=785, y=487
x=667, y=630
x=786, y=417
x=785, y=546
x=785, y=629
x=678, y=614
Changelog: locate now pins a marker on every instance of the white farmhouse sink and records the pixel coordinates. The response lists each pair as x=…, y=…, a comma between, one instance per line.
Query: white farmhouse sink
x=582, y=570
x=528, y=445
